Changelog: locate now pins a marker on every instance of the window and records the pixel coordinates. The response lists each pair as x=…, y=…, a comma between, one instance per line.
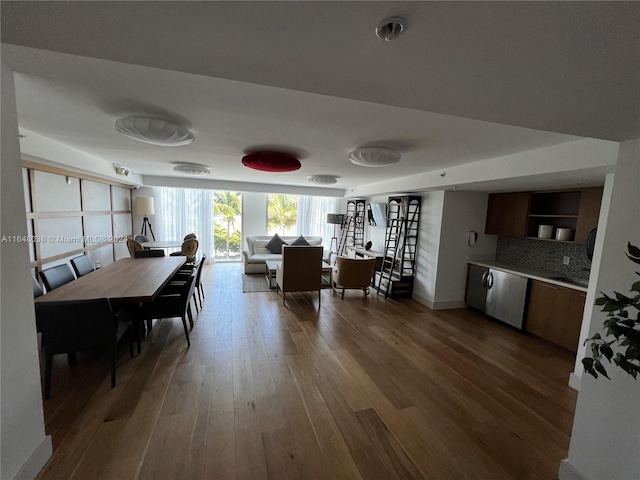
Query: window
x=227, y=209
x=282, y=214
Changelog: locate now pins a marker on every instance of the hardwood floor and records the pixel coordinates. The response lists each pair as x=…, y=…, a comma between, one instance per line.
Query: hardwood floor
x=361, y=389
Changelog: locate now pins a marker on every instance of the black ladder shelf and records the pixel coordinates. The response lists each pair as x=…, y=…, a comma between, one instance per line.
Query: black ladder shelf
x=352, y=232
x=397, y=273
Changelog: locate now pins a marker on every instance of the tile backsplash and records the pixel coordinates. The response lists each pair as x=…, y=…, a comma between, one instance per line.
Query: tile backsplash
x=544, y=255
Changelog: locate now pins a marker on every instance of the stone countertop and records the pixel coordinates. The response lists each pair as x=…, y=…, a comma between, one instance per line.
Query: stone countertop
x=535, y=274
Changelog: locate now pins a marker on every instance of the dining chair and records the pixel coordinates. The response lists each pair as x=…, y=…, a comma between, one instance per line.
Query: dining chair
x=74, y=326
x=171, y=303
x=188, y=249
x=154, y=252
x=353, y=273
x=301, y=270
x=37, y=289
x=141, y=238
x=57, y=276
x=82, y=265
x=182, y=275
x=133, y=245
x=189, y=236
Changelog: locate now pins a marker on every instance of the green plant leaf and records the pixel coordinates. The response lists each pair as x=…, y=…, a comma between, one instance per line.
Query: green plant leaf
x=607, y=351
x=633, y=250
x=600, y=369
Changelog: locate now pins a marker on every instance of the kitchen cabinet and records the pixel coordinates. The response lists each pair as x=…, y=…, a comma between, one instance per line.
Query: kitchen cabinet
x=507, y=214
x=555, y=313
x=521, y=214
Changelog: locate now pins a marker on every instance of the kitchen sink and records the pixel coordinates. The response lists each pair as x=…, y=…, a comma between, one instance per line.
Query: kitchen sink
x=574, y=281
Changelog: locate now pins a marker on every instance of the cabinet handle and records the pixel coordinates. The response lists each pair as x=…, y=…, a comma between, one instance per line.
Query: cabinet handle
x=490, y=279
x=484, y=278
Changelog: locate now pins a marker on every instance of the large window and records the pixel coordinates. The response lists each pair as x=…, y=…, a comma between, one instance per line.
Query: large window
x=282, y=214
x=226, y=226
x=301, y=215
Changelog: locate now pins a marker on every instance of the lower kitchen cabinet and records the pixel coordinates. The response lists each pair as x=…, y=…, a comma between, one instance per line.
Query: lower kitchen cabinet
x=555, y=313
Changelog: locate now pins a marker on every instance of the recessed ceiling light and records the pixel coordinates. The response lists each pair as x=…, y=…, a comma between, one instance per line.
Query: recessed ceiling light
x=374, y=156
x=323, y=179
x=192, y=169
x=391, y=28
x=154, y=131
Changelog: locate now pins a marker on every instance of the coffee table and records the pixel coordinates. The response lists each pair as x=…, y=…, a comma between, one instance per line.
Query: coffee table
x=272, y=265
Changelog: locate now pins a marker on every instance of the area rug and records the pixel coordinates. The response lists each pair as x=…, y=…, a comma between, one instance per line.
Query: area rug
x=254, y=283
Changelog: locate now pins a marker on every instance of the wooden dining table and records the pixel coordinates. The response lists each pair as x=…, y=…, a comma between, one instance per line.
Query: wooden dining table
x=129, y=280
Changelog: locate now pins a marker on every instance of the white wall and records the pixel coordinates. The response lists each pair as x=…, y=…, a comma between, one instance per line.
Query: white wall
x=254, y=215
x=424, y=288
x=25, y=448
x=605, y=442
x=462, y=213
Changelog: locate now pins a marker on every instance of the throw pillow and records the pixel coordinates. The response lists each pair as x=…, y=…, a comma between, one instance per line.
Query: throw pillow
x=300, y=242
x=275, y=244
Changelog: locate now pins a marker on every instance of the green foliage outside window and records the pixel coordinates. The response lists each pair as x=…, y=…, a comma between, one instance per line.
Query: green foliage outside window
x=282, y=212
x=227, y=207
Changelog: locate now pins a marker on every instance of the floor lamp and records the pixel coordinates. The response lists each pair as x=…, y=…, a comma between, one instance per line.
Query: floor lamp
x=144, y=206
x=334, y=219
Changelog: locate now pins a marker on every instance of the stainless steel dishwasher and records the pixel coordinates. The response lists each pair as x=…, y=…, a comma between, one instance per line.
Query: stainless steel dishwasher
x=499, y=294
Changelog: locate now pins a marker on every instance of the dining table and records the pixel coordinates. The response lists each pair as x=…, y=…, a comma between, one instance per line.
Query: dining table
x=126, y=281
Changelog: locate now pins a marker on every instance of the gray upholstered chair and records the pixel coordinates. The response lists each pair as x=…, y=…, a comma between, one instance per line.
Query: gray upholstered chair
x=140, y=238
x=81, y=265
x=353, y=273
x=57, y=276
x=301, y=270
x=74, y=326
x=154, y=252
x=173, y=303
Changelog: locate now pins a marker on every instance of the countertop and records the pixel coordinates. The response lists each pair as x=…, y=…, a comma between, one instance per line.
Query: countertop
x=532, y=273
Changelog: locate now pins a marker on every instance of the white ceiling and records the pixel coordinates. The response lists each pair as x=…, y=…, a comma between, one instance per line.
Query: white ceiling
x=467, y=81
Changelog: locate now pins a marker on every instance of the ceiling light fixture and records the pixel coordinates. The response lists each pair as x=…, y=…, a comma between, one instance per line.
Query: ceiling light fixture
x=120, y=170
x=374, y=156
x=154, y=131
x=192, y=169
x=271, y=162
x=391, y=28
x=323, y=179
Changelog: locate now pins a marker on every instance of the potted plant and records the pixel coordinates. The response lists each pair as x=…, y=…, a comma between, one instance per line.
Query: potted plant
x=623, y=324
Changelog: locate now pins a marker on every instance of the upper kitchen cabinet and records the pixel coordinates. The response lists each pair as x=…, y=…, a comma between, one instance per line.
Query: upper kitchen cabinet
x=507, y=214
x=589, y=213
x=521, y=214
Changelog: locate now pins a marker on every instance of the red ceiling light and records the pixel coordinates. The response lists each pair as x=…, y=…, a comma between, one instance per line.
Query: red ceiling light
x=271, y=162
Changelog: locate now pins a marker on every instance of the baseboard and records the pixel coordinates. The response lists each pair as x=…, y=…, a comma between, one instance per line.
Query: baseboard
x=449, y=305
x=574, y=381
x=423, y=300
x=38, y=459
x=569, y=472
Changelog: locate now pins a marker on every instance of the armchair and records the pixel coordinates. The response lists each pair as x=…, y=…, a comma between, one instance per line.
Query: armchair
x=301, y=270
x=353, y=273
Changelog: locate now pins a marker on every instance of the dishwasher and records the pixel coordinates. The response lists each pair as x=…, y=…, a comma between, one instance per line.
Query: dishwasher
x=499, y=294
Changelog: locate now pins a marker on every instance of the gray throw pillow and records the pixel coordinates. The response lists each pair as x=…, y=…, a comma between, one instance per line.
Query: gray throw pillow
x=300, y=242
x=275, y=244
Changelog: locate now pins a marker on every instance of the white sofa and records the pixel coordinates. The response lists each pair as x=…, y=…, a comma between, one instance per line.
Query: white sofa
x=256, y=255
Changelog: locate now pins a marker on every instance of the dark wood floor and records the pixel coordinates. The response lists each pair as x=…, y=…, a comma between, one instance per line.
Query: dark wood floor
x=362, y=389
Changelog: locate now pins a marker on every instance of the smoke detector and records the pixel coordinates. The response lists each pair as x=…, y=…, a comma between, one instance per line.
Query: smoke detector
x=391, y=28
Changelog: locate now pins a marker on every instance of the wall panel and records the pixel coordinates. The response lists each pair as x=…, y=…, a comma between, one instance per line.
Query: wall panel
x=74, y=215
